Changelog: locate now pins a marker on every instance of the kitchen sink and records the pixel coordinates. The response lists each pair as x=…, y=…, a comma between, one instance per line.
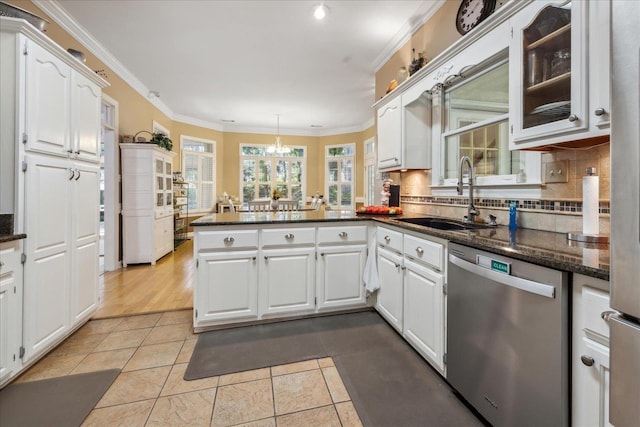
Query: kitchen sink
x=444, y=224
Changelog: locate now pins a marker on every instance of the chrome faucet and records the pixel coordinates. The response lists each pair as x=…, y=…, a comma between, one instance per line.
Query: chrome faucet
x=472, y=212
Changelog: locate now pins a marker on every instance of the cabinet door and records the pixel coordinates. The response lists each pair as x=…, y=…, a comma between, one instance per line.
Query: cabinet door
x=227, y=286
x=10, y=309
x=85, y=201
x=390, y=134
x=287, y=280
x=548, y=69
x=390, y=295
x=160, y=184
x=48, y=250
x=591, y=385
x=85, y=118
x=48, y=102
x=423, y=312
x=599, y=64
x=340, y=271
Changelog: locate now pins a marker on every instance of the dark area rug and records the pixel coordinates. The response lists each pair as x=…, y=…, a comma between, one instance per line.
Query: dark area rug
x=63, y=401
x=389, y=383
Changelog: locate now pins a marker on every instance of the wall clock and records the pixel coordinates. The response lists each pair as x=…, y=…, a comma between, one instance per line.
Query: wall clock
x=471, y=13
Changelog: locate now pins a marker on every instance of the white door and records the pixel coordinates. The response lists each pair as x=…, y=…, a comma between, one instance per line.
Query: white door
x=85, y=200
x=591, y=385
x=390, y=295
x=48, y=250
x=340, y=271
x=10, y=310
x=423, y=312
x=287, y=280
x=390, y=134
x=227, y=286
x=85, y=118
x=47, y=105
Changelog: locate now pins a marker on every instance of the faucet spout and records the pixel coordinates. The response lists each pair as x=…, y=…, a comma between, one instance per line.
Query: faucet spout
x=472, y=212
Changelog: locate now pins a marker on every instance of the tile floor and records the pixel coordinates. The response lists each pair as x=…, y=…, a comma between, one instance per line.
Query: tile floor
x=153, y=351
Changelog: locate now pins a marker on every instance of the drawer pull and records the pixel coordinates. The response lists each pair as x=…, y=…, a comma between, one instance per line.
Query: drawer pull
x=397, y=265
x=419, y=250
x=289, y=236
x=587, y=360
x=606, y=315
x=229, y=239
x=387, y=239
x=600, y=112
x=343, y=234
x=573, y=118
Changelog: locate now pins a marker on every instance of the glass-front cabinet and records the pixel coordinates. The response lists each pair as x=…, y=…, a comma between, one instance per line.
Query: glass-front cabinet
x=549, y=73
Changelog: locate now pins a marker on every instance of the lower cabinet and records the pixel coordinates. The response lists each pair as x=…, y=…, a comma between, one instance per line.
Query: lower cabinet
x=10, y=309
x=390, y=296
x=227, y=286
x=590, y=352
x=339, y=280
x=288, y=282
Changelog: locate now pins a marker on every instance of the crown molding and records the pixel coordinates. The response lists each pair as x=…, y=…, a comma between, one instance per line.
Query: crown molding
x=426, y=10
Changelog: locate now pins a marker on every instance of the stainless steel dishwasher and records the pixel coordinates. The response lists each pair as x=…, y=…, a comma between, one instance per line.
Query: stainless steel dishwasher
x=508, y=338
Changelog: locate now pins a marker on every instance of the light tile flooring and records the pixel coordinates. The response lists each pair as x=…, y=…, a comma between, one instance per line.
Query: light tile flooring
x=153, y=351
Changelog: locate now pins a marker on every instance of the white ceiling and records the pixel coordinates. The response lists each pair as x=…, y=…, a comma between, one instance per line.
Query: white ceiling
x=247, y=61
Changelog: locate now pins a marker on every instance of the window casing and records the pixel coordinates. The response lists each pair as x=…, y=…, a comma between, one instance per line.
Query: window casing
x=261, y=173
x=370, y=162
x=340, y=179
x=199, y=171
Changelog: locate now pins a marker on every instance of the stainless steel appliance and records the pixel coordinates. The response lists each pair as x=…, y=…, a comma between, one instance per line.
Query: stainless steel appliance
x=508, y=338
x=624, y=401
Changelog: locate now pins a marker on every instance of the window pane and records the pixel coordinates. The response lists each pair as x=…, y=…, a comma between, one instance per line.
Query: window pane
x=345, y=196
x=206, y=201
x=207, y=169
x=296, y=172
x=264, y=172
x=281, y=171
x=264, y=191
x=249, y=171
x=346, y=170
x=200, y=147
x=333, y=194
x=296, y=192
x=333, y=171
x=253, y=151
x=192, y=191
x=248, y=192
x=283, y=190
x=191, y=167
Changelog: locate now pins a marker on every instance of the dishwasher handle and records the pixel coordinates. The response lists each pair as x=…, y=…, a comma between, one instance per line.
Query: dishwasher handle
x=504, y=279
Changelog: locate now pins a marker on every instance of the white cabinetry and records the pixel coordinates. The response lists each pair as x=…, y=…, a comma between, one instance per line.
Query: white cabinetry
x=343, y=252
x=147, y=202
x=590, y=349
x=390, y=135
x=51, y=126
x=559, y=83
x=390, y=296
x=10, y=309
x=287, y=282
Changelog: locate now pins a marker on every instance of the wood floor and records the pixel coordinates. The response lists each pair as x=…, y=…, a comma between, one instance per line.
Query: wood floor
x=146, y=288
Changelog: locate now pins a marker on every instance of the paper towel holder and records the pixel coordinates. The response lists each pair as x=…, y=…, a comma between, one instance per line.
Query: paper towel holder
x=588, y=238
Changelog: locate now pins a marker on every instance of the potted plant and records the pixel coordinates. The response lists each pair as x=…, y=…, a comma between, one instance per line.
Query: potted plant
x=158, y=138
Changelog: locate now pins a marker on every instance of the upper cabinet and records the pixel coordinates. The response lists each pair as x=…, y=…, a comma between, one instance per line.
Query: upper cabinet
x=390, y=135
x=558, y=89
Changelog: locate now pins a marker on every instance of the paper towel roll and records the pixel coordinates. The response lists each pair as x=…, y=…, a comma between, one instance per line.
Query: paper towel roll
x=590, y=208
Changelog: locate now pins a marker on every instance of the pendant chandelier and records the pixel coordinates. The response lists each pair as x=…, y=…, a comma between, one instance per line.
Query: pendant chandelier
x=278, y=148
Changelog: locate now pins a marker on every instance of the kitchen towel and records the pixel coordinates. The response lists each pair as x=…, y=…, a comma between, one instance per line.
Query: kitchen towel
x=590, y=198
x=370, y=276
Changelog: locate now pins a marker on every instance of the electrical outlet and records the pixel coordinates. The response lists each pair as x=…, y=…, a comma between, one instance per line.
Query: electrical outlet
x=556, y=171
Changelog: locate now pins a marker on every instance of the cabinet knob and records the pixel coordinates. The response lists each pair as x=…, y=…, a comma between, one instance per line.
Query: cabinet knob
x=606, y=315
x=397, y=265
x=600, y=112
x=343, y=234
x=289, y=236
x=70, y=151
x=587, y=360
x=1, y=264
x=387, y=239
x=573, y=118
x=419, y=250
x=229, y=239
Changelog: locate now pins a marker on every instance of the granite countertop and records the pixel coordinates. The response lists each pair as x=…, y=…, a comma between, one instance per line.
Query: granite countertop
x=6, y=229
x=539, y=247
x=11, y=237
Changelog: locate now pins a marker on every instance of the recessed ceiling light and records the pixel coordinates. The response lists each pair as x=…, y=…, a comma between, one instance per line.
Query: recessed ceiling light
x=320, y=11
x=316, y=126
x=228, y=120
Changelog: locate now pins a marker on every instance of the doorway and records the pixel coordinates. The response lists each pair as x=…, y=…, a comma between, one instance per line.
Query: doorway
x=109, y=187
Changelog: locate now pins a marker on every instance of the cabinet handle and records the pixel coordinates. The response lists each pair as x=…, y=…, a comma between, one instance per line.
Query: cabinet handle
x=387, y=239
x=321, y=254
x=606, y=315
x=573, y=118
x=229, y=239
x=70, y=151
x=1, y=264
x=254, y=258
x=419, y=250
x=600, y=112
x=397, y=265
x=289, y=236
x=266, y=258
x=73, y=173
x=78, y=177
x=403, y=268
x=343, y=234
x=587, y=360
x=77, y=152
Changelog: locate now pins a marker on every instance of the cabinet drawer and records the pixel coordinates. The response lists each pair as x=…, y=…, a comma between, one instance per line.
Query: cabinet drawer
x=289, y=236
x=424, y=250
x=353, y=234
x=389, y=238
x=228, y=239
x=595, y=302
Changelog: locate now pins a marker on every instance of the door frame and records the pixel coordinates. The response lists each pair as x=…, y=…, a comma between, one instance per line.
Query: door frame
x=112, y=205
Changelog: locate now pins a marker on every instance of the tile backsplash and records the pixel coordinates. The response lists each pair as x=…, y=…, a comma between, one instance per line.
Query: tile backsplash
x=559, y=209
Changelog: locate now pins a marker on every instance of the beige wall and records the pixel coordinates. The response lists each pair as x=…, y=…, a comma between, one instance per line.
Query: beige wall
x=437, y=34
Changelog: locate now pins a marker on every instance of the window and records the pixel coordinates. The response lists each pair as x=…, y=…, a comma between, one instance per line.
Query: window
x=198, y=170
x=339, y=186
x=262, y=173
x=476, y=124
x=370, y=161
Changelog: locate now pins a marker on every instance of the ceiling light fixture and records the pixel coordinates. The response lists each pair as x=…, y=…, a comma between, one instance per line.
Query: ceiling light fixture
x=278, y=148
x=320, y=11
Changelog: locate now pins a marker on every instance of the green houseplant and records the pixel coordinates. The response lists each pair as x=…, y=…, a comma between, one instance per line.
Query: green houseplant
x=158, y=138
